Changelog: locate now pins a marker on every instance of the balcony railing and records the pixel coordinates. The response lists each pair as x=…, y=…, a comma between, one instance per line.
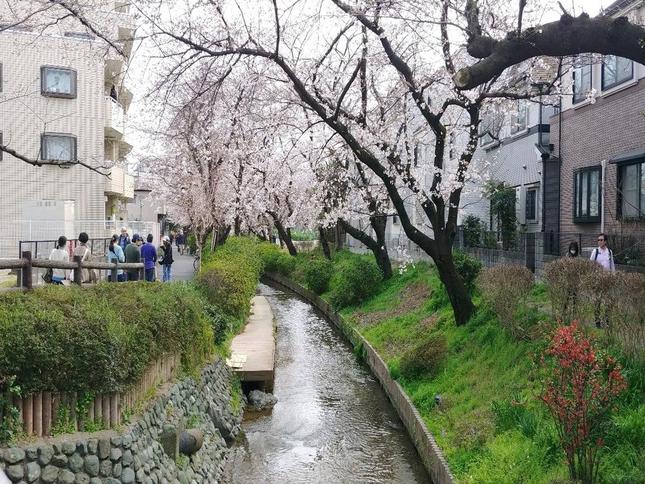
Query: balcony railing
x=114, y=118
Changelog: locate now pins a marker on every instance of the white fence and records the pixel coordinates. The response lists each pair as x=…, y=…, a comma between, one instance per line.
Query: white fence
x=13, y=232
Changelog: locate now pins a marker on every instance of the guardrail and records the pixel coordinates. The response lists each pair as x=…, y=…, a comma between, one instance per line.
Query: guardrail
x=26, y=265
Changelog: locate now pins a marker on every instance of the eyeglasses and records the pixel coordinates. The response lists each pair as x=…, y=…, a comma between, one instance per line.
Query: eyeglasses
x=601, y=240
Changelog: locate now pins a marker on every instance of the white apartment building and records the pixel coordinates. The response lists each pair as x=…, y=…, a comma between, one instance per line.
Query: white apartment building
x=62, y=97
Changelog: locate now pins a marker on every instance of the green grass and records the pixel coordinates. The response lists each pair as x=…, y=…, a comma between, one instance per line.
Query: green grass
x=489, y=422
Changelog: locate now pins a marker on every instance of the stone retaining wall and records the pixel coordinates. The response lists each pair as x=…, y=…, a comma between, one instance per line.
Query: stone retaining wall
x=430, y=454
x=136, y=454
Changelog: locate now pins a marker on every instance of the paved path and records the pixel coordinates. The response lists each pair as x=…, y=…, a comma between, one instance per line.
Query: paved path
x=182, y=267
x=253, y=351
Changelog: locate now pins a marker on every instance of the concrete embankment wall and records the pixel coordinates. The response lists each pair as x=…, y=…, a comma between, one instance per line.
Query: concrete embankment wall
x=430, y=454
x=140, y=453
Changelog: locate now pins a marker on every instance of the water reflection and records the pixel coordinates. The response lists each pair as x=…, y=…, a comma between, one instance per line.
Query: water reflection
x=332, y=422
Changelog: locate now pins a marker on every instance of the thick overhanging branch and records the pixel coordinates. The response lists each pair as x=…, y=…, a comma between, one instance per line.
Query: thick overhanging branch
x=101, y=170
x=565, y=37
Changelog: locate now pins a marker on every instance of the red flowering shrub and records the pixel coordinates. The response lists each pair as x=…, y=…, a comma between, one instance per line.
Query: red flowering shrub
x=580, y=390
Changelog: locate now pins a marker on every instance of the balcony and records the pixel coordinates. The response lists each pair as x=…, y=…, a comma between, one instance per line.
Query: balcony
x=114, y=118
x=120, y=184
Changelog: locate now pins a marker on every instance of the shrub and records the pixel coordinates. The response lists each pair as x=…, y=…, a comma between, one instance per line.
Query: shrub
x=317, y=274
x=580, y=389
x=467, y=267
x=424, y=359
x=231, y=275
x=627, y=321
x=99, y=338
x=355, y=279
x=565, y=279
x=473, y=228
x=505, y=289
x=276, y=260
x=220, y=323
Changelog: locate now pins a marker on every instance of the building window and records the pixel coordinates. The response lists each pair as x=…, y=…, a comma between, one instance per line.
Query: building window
x=489, y=128
x=531, y=205
x=519, y=118
x=395, y=220
x=58, y=147
x=58, y=82
x=581, y=82
x=1, y=143
x=631, y=181
x=615, y=71
x=586, y=198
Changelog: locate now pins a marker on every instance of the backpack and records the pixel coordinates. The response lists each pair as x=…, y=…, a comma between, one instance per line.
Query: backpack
x=161, y=255
x=595, y=257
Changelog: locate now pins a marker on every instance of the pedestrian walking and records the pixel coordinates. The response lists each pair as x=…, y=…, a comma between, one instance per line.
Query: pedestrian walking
x=115, y=254
x=574, y=250
x=602, y=255
x=124, y=238
x=84, y=252
x=58, y=254
x=149, y=256
x=132, y=256
x=180, y=240
x=165, y=258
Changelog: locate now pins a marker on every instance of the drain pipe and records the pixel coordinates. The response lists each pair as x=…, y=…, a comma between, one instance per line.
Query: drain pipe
x=603, y=168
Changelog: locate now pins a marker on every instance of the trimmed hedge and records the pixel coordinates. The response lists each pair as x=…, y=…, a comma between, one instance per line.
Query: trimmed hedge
x=356, y=278
x=230, y=275
x=317, y=274
x=276, y=260
x=99, y=338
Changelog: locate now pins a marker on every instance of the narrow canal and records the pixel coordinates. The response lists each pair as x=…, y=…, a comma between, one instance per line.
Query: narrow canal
x=332, y=423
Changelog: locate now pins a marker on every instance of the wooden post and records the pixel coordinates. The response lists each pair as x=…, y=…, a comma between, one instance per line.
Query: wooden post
x=114, y=409
x=90, y=412
x=55, y=406
x=28, y=415
x=98, y=408
x=113, y=274
x=38, y=414
x=72, y=410
x=26, y=272
x=142, y=274
x=78, y=270
x=106, y=410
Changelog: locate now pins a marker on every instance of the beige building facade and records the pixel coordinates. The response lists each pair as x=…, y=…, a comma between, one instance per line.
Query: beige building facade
x=62, y=98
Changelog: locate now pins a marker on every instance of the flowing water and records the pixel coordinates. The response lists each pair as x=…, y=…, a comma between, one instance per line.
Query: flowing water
x=332, y=423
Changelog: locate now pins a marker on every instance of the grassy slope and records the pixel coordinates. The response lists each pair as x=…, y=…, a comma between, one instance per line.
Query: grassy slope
x=485, y=365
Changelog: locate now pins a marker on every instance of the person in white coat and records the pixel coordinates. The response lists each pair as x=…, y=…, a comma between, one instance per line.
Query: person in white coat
x=59, y=254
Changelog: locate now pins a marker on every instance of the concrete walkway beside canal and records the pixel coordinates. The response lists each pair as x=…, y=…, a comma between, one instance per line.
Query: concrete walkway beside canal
x=253, y=351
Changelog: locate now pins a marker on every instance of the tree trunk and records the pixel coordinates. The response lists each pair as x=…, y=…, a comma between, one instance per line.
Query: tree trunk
x=324, y=243
x=238, y=225
x=460, y=300
x=379, y=249
x=339, y=237
x=284, y=235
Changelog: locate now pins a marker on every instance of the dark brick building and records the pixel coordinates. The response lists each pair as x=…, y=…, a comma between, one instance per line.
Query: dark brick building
x=595, y=179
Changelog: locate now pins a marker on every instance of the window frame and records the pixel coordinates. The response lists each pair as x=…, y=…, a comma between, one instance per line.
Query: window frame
x=43, y=151
x=1, y=77
x=577, y=197
x=534, y=218
x=1, y=142
x=617, y=82
x=73, y=82
x=521, y=104
x=640, y=163
x=576, y=99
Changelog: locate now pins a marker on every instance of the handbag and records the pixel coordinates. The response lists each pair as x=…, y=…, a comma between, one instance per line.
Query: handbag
x=48, y=275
